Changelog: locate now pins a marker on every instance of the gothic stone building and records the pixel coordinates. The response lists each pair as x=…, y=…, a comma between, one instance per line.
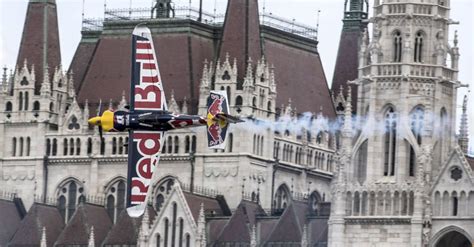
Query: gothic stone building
x=62, y=185
x=403, y=179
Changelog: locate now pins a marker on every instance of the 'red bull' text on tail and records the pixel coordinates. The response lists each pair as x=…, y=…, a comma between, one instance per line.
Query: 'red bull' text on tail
x=218, y=119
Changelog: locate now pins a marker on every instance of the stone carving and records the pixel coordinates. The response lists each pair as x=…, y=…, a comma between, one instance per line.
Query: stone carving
x=220, y=171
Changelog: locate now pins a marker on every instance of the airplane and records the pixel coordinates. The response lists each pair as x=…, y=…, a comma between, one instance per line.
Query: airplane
x=147, y=119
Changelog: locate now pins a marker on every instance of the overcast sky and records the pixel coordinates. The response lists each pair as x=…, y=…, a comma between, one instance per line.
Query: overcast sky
x=12, y=14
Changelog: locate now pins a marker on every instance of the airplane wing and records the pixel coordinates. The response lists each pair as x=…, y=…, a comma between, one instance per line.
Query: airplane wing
x=146, y=92
x=146, y=95
x=143, y=156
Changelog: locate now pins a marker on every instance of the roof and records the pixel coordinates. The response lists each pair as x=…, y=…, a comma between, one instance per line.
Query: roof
x=347, y=64
x=36, y=30
x=318, y=230
x=125, y=230
x=291, y=223
x=241, y=34
x=78, y=228
x=470, y=161
x=10, y=220
x=211, y=205
x=239, y=226
x=31, y=228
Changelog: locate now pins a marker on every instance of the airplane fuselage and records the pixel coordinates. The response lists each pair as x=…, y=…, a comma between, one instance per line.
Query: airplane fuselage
x=154, y=120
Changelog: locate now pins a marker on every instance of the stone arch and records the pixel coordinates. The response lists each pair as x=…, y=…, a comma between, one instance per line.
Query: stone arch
x=70, y=192
x=438, y=238
x=360, y=162
x=115, y=194
x=162, y=190
x=282, y=197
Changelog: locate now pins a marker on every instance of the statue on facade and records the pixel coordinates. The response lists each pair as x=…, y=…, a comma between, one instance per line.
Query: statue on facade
x=162, y=9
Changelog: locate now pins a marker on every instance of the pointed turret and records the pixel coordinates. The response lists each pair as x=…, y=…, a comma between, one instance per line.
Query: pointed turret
x=463, y=128
x=91, y=238
x=40, y=38
x=241, y=34
x=43, y=242
x=347, y=63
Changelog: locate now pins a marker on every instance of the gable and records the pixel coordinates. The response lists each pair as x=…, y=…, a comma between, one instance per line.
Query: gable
x=174, y=218
x=455, y=174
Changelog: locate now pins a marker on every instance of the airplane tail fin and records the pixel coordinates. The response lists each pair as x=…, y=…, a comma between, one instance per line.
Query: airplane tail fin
x=218, y=119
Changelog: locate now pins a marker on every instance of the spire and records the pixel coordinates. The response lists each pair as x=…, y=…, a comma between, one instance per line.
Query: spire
x=184, y=108
x=145, y=227
x=253, y=237
x=40, y=38
x=46, y=85
x=201, y=225
x=43, y=242
x=463, y=128
x=347, y=130
x=241, y=34
x=123, y=101
x=172, y=104
x=248, y=80
x=205, y=76
x=304, y=236
x=91, y=238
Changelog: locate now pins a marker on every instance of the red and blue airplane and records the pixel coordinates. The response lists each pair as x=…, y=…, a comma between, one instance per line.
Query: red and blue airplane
x=147, y=120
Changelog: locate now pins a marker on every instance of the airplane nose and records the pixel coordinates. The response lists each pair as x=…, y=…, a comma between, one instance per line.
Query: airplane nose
x=94, y=121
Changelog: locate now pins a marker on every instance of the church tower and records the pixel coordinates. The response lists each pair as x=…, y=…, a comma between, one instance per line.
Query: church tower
x=355, y=22
x=406, y=103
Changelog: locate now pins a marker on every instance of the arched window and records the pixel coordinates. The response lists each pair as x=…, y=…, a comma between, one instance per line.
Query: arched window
x=390, y=138
x=158, y=240
x=314, y=202
x=163, y=192
x=193, y=144
x=8, y=106
x=282, y=198
x=36, y=106
x=78, y=146
x=21, y=147
x=126, y=148
x=69, y=196
x=397, y=46
x=254, y=144
x=181, y=226
x=55, y=147
x=228, y=93
x=102, y=146
x=417, y=120
x=14, y=146
x=89, y=146
x=71, y=148
x=48, y=147
x=120, y=145
x=26, y=101
x=238, y=101
x=254, y=103
x=455, y=204
x=166, y=223
x=28, y=146
x=176, y=144
x=361, y=165
x=114, y=145
x=169, y=144
x=443, y=129
x=20, y=101
x=230, y=142
x=51, y=107
x=261, y=145
x=174, y=223
x=418, y=47
x=65, y=147
x=116, y=199
x=269, y=108
x=188, y=240
x=187, y=144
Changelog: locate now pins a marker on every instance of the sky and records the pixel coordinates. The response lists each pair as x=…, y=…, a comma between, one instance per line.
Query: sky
x=70, y=14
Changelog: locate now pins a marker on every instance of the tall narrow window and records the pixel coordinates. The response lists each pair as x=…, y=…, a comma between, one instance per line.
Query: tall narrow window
x=78, y=146
x=89, y=146
x=187, y=144
x=120, y=145
x=231, y=142
x=397, y=46
x=169, y=144
x=181, y=226
x=176, y=144
x=28, y=146
x=443, y=129
x=418, y=47
x=114, y=145
x=166, y=222
x=193, y=144
x=14, y=147
x=55, y=147
x=173, y=226
x=390, y=142
x=120, y=197
x=71, y=200
x=20, y=102
x=158, y=240
x=21, y=147
x=188, y=240
x=26, y=101
x=8, y=106
x=126, y=148
x=71, y=149
x=48, y=147
x=102, y=146
x=65, y=147
x=110, y=207
x=361, y=167
x=62, y=206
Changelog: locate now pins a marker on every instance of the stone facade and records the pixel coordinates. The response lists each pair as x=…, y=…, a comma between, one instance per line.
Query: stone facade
x=402, y=178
